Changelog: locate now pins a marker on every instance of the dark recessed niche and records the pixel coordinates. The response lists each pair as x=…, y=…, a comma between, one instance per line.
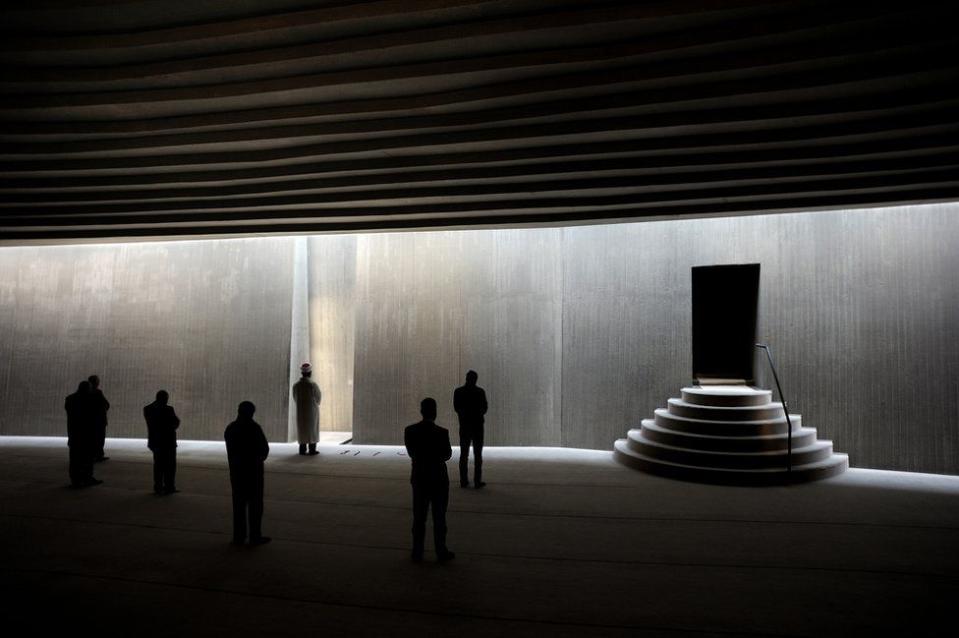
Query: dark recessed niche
x=725, y=300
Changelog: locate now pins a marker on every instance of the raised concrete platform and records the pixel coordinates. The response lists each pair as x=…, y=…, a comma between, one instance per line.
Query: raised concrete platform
x=562, y=542
x=729, y=434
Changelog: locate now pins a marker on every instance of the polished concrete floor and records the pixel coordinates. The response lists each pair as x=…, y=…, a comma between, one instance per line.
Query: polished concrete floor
x=562, y=542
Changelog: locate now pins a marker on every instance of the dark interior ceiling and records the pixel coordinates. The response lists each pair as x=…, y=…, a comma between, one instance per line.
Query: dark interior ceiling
x=166, y=118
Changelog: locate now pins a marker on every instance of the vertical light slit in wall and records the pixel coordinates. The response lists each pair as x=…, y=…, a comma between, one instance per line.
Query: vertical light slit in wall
x=299, y=324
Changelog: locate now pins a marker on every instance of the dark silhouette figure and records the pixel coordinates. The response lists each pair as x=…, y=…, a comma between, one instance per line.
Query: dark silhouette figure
x=162, y=423
x=246, y=449
x=306, y=395
x=80, y=436
x=98, y=417
x=429, y=448
x=469, y=402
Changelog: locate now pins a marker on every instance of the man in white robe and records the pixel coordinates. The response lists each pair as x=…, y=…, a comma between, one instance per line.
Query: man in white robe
x=306, y=395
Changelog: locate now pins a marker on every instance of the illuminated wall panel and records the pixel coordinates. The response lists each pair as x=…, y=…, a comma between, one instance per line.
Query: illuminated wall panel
x=430, y=306
x=577, y=333
x=207, y=321
x=332, y=295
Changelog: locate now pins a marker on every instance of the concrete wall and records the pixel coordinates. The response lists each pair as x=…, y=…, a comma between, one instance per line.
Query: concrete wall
x=430, y=306
x=861, y=309
x=332, y=296
x=577, y=333
x=207, y=321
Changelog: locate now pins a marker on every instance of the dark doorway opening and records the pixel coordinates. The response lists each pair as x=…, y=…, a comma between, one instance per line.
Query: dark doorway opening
x=725, y=301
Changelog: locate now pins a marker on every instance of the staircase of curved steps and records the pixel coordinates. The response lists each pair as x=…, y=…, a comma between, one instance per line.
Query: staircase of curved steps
x=728, y=435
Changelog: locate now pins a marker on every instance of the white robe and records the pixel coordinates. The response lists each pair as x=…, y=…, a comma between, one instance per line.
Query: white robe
x=306, y=394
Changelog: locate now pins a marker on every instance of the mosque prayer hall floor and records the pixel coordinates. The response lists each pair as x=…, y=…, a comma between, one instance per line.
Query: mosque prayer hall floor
x=561, y=542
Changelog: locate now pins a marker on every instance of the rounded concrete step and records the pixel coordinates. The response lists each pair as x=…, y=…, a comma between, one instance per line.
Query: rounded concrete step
x=669, y=421
x=834, y=465
x=801, y=438
x=726, y=395
x=713, y=413
x=817, y=451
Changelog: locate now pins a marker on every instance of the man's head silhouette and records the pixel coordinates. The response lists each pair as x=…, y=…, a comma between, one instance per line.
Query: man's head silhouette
x=428, y=409
x=246, y=409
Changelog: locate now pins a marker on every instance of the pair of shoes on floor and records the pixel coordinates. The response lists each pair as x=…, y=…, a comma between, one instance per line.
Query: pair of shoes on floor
x=481, y=484
x=312, y=453
x=445, y=555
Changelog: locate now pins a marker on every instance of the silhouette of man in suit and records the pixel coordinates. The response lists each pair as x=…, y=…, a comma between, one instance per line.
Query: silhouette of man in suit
x=246, y=450
x=80, y=436
x=429, y=448
x=98, y=417
x=469, y=402
x=162, y=423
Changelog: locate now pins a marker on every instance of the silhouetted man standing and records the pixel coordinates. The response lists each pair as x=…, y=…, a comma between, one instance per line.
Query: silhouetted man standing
x=246, y=449
x=80, y=436
x=429, y=448
x=306, y=395
x=98, y=416
x=162, y=423
x=469, y=401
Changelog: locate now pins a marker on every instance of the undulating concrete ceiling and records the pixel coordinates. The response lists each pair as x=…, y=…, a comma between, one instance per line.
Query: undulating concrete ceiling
x=165, y=118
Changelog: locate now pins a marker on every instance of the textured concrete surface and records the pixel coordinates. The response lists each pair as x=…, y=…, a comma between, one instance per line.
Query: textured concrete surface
x=207, y=321
x=858, y=307
x=562, y=542
x=332, y=298
x=577, y=333
x=299, y=324
x=431, y=306
x=587, y=329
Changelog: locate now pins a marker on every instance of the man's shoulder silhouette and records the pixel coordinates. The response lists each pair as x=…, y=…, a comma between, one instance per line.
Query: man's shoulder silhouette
x=242, y=427
x=425, y=438
x=238, y=432
x=416, y=430
x=426, y=428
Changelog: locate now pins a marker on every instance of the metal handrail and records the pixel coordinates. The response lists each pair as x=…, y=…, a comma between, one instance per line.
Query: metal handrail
x=782, y=399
